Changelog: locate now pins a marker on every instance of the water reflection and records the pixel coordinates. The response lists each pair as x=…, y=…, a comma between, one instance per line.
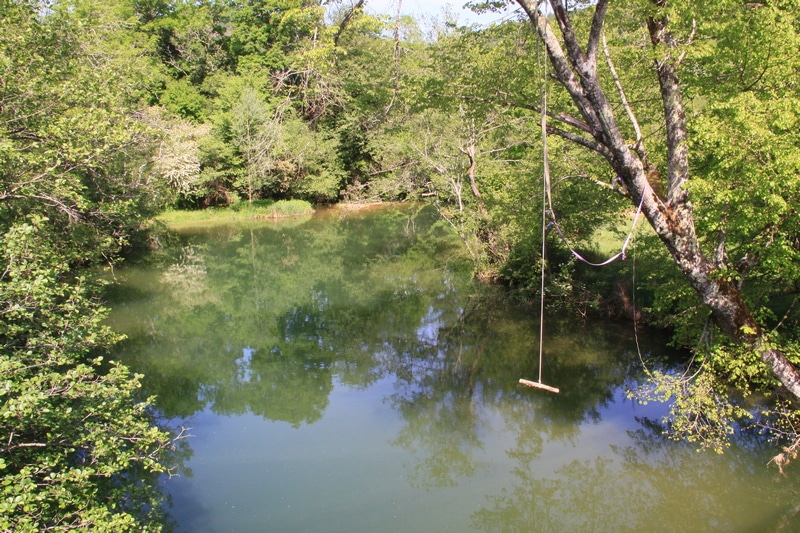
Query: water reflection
x=280, y=323
x=627, y=490
x=262, y=318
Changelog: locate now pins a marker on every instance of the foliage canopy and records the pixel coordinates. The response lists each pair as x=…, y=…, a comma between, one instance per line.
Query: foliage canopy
x=112, y=111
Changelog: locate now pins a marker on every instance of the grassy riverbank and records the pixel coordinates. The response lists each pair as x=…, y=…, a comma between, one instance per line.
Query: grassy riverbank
x=257, y=210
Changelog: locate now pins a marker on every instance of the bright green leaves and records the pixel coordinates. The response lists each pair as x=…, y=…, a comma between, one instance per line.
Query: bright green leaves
x=191, y=40
x=78, y=447
x=743, y=47
x=746, y=144
x=76, y=440
x=700, y=412
x=183, y=99
x=68, y=141
x=739, y=367
x=266, y=32
x=747, y=185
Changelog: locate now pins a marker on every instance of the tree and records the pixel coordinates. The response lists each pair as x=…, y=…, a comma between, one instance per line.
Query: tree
x=72, y=148
x=266, y=33
x=254, y=133
x=79, y=447
x=177, y=159
x=714, y=276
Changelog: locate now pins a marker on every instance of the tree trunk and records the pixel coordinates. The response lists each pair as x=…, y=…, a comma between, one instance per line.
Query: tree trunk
x=671, y=216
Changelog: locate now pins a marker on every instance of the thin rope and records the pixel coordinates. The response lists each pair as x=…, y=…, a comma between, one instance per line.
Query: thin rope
x=620, y=255
x=542, y=64
x=545, y=179
x=633, y=306
x=546, y=176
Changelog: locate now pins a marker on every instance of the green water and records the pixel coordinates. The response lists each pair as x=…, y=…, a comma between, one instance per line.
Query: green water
x=343, y=373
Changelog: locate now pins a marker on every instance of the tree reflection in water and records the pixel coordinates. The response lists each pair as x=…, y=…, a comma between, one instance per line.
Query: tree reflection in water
x=630, y=492
x=272, y=320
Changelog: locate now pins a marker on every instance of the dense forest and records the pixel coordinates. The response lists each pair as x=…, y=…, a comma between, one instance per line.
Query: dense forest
x=687, y=113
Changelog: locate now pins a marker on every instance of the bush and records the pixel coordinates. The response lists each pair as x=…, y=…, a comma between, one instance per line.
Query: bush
x=290, y=208
x=79, y=448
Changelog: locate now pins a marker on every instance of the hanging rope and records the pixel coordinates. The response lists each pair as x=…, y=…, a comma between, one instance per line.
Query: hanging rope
x=633, y=310
x=621, y=254
x=547, y=202
x=545, y=188
x=542, y=64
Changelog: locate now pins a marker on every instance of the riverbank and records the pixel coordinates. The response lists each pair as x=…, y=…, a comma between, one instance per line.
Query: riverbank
x=242, y=211
x=260, y=210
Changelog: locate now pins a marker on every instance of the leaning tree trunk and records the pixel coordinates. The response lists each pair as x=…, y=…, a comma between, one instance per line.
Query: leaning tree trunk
x=670, y=215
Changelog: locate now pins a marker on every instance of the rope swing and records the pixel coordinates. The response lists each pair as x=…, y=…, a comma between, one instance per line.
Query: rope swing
x=545, y=197
x=547, y=202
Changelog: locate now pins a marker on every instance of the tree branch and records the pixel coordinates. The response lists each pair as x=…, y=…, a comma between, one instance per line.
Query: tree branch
x=346, y=20
x=674, y=115
x=564, y=72
x=570, y=40
x=583, y=141
x=599, y=183
x=561, y=117
x=638, y=147
x=469, y=151
x=595, y=33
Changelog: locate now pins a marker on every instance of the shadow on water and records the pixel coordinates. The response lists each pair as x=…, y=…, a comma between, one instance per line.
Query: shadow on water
x=357, y=345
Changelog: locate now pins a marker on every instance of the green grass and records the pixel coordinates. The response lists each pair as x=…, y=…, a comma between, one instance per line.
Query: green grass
x=609, y=241
x=242, y=211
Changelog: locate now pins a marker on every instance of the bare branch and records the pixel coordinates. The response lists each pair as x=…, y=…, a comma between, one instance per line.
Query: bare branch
x=469, y=151
x=346, y=20
x=561, y=117
x=564, y=24
x=595, y=33
x=605, y=185
x=572, y=121
x=688, y=42
x=638, y=146
x=583, y=141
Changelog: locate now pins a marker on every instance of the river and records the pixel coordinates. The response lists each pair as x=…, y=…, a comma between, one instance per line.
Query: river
x=344, y=372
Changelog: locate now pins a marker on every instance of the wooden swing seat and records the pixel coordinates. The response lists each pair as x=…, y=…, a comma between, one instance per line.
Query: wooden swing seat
x=539, y=385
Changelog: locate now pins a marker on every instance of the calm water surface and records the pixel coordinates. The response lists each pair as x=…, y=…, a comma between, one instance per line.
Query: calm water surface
x=343, y=373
